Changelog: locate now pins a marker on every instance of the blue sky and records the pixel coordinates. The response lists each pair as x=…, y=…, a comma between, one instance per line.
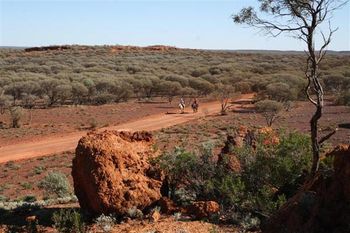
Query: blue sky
x=188, y=24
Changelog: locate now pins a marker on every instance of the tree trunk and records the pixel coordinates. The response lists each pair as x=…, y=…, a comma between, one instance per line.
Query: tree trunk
x=314, y=139
x=316, y=86
x=30, y=116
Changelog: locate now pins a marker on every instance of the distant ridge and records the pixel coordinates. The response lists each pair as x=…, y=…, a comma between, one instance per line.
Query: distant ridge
x=164, y=46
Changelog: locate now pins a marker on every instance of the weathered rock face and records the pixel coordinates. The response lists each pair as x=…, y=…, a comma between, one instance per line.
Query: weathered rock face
x=46, y=48
x=203, y=209
x=228, y=159
x=111, y=172
x=244, y=137
x=167, y=206
x=323, y=203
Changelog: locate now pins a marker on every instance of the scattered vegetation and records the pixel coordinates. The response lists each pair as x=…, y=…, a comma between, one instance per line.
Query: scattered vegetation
x=72, y=78
x=269, y=174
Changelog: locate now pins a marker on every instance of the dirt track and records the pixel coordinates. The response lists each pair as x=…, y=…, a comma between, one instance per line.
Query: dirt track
x=69, y=142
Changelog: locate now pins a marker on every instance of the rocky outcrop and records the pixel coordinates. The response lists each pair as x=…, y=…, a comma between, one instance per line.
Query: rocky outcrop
x=47, y=48
x=167, y=206
x=111, y=172
x=227, y=157
x=244, y=137
x=198, y=209
x=153, y=48
x=322, y=205
x=203, y=209
x=161, y=48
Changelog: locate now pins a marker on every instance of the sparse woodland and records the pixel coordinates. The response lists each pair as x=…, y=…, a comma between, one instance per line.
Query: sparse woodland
x=100, y=75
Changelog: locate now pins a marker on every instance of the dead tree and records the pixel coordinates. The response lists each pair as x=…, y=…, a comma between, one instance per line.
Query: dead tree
x=301, y=19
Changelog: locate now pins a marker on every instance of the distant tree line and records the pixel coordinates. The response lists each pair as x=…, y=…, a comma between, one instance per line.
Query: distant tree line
x=95, y=75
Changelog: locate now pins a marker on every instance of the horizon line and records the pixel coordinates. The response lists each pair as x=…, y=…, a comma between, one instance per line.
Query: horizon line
x=165, y=45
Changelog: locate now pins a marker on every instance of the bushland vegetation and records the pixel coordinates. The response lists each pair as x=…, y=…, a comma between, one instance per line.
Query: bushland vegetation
x=269, y=173
x=98, y=75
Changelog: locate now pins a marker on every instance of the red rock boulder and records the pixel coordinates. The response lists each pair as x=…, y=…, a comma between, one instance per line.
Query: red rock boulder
x=111, y=172
x=203, y=209
x=167, y=206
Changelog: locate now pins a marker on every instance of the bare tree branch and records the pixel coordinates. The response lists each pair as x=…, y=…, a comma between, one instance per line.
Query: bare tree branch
x=328, y=136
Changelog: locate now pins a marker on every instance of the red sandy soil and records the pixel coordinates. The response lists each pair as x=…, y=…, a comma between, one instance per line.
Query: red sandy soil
x=66, y=142
x=21, y=178
x=214, y=128
x=166, y=224
x=67, y=119
x=169, y=225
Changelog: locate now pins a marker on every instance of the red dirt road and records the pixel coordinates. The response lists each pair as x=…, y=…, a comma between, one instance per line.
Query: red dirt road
x=68, y=142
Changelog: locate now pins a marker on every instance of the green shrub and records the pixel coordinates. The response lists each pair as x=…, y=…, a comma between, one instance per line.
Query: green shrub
x=281, y=92
x=68, y=221
x=39, y=169
x=273, y=173
x=135, y=213
x=269, y=174
x=27, y=185
x=16, y=114
x=57, y=184
x=29, y=198
x=269, y=109
x=344, y=99
x=104, y=98
x=12, y=165
x=177, y=216
x=105, y=222
x=3, y=198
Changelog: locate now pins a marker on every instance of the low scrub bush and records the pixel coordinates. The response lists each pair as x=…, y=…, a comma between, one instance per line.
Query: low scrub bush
x=135, y=213
x=105, y=223
x=344, y=99
x=56, y=184
x=39, y=169
x=12, y=165
x=3, y=198
x=16, y=114
x=68, y=221
x=93, y=123
x=29, y=198
x=103, y=99
x=269, y=109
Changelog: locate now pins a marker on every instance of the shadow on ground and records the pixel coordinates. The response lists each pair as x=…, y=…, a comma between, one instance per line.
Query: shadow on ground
x=16, y=218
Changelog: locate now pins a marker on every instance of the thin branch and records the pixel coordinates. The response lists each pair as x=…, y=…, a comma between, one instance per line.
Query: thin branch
x=326, y=42
x=328, y=136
